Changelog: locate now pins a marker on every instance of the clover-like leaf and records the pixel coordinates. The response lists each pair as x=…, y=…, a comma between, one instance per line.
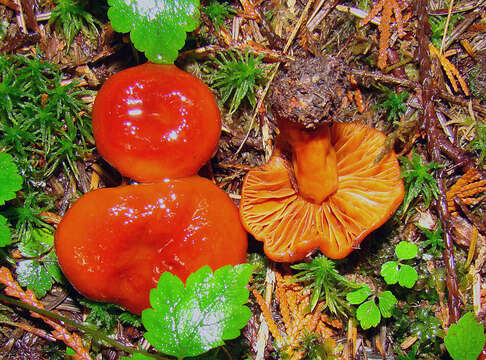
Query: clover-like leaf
x=406, y=250
x=368, y=314
x=386, y=302
x=358, y=296
x=157, y=27
x=465, y=340
x=407, y=276
x=188, y=321
x=389, y=271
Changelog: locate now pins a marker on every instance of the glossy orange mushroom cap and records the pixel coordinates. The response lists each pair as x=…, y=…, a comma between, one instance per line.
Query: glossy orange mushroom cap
x=367, y=195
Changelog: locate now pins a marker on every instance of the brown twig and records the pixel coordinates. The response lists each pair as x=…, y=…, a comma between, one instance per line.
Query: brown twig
x=60, y=333
x=471, y=217
x=435, y=136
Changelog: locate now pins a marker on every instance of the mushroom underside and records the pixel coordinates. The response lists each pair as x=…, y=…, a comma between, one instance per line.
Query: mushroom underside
x=368, y=193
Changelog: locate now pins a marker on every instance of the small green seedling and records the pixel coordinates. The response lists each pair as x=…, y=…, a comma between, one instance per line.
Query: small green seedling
x=236, y=76
x=321, y=276
x=465, y=340
x=419, y=180
x=433, y=238
x=394, y=103
x=69, y=17
x=218, y=12
x=396, y=271
x=369, y=314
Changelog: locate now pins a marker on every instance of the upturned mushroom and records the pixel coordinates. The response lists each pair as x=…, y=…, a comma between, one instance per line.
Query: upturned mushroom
x=323, y=187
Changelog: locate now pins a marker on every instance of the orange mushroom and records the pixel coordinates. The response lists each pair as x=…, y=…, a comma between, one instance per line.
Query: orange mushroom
x=322, y=187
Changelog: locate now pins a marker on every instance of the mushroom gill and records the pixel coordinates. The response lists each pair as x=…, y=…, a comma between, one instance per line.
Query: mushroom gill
x=366, y=195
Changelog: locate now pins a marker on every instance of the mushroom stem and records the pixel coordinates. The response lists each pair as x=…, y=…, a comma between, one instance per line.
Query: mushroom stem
x=314, y=161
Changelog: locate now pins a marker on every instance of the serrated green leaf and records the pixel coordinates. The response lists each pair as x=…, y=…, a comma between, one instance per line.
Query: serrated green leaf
x=10, y=180
x=39, y=275
x=465, y=340
x=407, y=276
x=406, y=250
x=358, y=296
x=157, y=27
x=368, y=314
x=5, y=236
x=188, y=321
x=386, y=302
x=389, y=271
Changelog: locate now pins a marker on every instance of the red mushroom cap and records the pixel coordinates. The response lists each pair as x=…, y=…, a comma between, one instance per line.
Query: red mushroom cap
x=114, y=243
x=156, y=121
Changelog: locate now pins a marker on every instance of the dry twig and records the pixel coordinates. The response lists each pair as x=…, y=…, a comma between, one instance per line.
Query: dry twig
x=60, y=333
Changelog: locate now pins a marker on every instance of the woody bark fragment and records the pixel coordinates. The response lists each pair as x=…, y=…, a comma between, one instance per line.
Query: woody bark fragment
x=435, y=137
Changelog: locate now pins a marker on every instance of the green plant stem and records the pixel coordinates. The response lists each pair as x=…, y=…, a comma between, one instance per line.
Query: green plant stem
x=88, y=330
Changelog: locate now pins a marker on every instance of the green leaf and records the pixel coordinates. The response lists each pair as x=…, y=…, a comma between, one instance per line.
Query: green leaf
x=389, y=271
x=157, y=27
x=188, y=321
x=406, y=250
x=5, y=236
x=358, y=296
x=386, y=302
x=407, y=276
x=40, y=242
x=368, y=314
x=39, y=275
x=465, y=340
x=10, y=180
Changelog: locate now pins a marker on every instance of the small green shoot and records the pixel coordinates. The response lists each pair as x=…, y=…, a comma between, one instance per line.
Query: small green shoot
x=189, y=320
x=419, y=180
x=69, y=17
x=393, y=103
x=236, y=76
x=326, y=283
x=103, y=315
x=157, y=27
x=465, y=340
x=393, y=271
x=218, y=12
x=479, y=142
x=433, y=239
x=438, y=24
x=369, y=314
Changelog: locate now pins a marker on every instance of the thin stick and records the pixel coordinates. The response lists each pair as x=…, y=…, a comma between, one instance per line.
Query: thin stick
x=444, y=35
x=87, y=329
